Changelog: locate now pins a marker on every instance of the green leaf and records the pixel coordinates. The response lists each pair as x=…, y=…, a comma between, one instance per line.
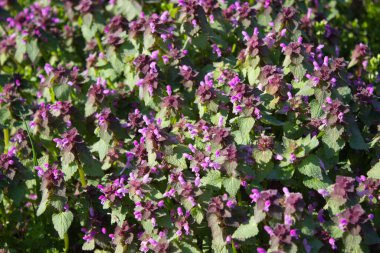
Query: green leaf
x=213, y=178
x=306, y=90
x=253, y=74
x=352, y=243
x=352, y=63
x=310, y=167
x=17, y=193
x=231, y=185
x=69, y=170
x=101, y=147
x=62, y=222
x=116, y=63
x=246, y=231
x=218, y=242
x=197, y=214
x=188, y=247
x=88, y=32
x=67, y=158
x=310, y=143
x=147, y=225
x=334, y=231
x=332, y=138
x=271, y=120
x=89, y=246
x=148, y=39
x=91, y=166
x=245, y=125
x=32, y=50
x=176, y=161
x=120, y=248
x=315, y=109
x=130, y=8
x=44, y=202
x=152, y=159
x=356, y=139
x=298, y=70
x=89, y=109
x=287, y=61
x=375, y=171
x=315, y=183
x=5, y=117
x=118, y=215
x=20, y=50
x=262, y=156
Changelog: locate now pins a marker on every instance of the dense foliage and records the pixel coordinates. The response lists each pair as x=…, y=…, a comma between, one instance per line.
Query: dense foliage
x=189, y=126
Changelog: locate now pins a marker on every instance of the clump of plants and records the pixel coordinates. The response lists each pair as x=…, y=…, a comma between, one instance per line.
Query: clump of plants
x=186, y=126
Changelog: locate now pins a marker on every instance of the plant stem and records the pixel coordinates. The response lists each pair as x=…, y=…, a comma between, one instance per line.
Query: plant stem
x=52, y=94
x=6, y=140
x=3, y=214
x=35, y=163
x=82, y=178
x=67, y=242
x=100, y=46
x=233, y=247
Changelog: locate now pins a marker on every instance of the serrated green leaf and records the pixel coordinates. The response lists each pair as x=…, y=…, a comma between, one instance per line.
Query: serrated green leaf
x=356, y=138
x=231, y=185
x=298, y=70
x=147, y=225
x=32, y=50
x=332, y=138
x=218, y=242
x=246, y=231
x=213, y=177
x=62, y=222
x=315, y=109
x=352, y=243
x=253, y=74
x=20, y=50
x=101, y=147
x=116, y=63
x=69, y=170
x=375, y=171
x=89, y=245
x=179, y=162
x=264, y=156
x=197, y=214
x=188, y=247
x=5, y=116
x=310, y=167
x=271, y=120
x=305, y=90
x=315, y=183
x=245, y=125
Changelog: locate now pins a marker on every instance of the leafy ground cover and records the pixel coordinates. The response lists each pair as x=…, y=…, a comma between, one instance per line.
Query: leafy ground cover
x=189, y=126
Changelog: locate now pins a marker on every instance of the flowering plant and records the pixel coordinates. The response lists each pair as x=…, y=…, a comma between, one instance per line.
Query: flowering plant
x=187, y=126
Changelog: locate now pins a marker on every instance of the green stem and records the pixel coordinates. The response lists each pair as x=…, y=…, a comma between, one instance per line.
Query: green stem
x=52, y=94
x=239, y=198
x=100, y=46
x=67, y=242
x=3, y=214
x=82, y=178
x=6, y=139
x=35, y=163
x=233, y=247
x=3, y=28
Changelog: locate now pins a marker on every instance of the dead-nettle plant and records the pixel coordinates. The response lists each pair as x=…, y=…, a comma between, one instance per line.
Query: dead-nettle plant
x=192, y=126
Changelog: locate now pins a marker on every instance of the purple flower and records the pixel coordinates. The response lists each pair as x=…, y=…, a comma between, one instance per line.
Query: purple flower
x=255, y=195
x=292, y=158
x=261, y=250
x=332, y=243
